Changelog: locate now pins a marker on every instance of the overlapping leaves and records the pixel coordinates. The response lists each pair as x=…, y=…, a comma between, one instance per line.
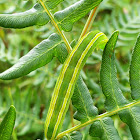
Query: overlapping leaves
x=37, y=15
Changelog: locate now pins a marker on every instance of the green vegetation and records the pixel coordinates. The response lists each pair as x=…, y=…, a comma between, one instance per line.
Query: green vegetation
x=69, y=70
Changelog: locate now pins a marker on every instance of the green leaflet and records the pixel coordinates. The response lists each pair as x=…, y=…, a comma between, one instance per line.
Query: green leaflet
x=104, y=129
x=135, y=71
x=73, y=136
x=83, y=102
x=131, y=117
x=108, y=77
x=34, y=16
x=37, y=15
x=67, y=79
x=7, y=125
x=67, y=17
x=39, y=56
x=114, y=97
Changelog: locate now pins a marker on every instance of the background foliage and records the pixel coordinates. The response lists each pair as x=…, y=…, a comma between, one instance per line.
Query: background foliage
x=31, y=94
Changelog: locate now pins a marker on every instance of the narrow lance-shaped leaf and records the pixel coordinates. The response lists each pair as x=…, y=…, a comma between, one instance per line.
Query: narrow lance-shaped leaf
x=67, y=79
x=67, y=17
x=39, y=56
x=104, y=129
x=34, y=16
x=7, y=125
x=135, y=71
x=108, y=77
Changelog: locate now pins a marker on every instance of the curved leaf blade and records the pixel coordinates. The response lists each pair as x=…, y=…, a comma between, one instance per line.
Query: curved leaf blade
x=108, y=77
x=39, y=56
x=7, y=125
x=135, y=71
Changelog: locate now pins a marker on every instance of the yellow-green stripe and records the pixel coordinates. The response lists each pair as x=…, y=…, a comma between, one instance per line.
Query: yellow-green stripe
x=72, y=81
x=57, y=88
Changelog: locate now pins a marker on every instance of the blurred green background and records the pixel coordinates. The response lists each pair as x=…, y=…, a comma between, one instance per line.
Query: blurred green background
x=31, y=94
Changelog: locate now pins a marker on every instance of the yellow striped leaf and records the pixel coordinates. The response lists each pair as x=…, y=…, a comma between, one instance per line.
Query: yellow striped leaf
x=67, y=79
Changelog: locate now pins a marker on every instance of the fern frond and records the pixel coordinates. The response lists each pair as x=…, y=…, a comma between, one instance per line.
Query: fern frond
x=127, y=23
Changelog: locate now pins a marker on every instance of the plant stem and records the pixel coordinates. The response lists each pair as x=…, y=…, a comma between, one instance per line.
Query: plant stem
x=96, y=118
x=56, y=26
x=89, y=22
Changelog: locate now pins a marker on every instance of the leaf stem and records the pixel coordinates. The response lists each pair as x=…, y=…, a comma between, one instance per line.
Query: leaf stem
x=89, y=22
x=60, y=135
x=56, y=26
